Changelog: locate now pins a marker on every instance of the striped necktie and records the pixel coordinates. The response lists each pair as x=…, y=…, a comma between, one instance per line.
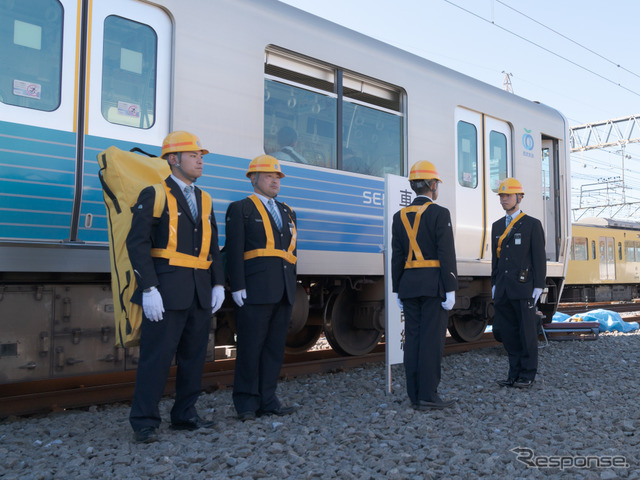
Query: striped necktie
x=188, y=193
x=508, y=220
x=274, y=213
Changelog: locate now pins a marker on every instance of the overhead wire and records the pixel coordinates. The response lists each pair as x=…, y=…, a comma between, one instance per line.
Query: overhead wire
x=544, y=48
x=569, y=39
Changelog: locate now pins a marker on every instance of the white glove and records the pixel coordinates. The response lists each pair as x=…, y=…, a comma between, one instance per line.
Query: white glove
x=536, y=295
x=450, y=301
x=239, y=297
x=493, y=292
x=217, y=297
x=399, y=302
x=152, y=305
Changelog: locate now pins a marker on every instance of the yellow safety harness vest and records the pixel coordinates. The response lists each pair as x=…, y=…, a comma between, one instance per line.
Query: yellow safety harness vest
x=171, y=253
x=412, y=232
x=270, y=250
x=506, y=232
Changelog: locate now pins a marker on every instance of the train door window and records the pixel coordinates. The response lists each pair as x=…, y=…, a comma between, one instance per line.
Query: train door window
x=128, y=73
x=593, y=249
x=619, y=251
x=467, y=155
x=579, y=249
x=309, y=119
x=497, y=159
x=31, y=53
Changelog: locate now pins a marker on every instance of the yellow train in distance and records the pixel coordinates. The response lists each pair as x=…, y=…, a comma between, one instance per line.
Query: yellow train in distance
x=604, y=262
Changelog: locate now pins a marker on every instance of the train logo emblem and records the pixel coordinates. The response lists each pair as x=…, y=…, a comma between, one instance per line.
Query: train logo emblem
x=527, y=140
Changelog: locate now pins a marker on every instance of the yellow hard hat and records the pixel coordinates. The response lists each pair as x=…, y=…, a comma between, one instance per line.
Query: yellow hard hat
x=180, y=141
x=510, y=185
x=266, y=164
x=424, y=170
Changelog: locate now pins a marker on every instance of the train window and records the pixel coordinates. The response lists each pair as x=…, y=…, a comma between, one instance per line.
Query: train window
x=630, y=251
x=579, y=250
x=305, y=111
x=467, y=155
x=129, y=73
x=593, y=249
x=619, y=250
x=31, y=54
x=497, y=159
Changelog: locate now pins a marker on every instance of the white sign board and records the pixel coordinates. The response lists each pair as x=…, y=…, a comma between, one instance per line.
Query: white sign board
x=397, y=195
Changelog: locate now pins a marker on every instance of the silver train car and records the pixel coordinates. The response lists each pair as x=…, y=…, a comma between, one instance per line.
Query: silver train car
x=80, y=76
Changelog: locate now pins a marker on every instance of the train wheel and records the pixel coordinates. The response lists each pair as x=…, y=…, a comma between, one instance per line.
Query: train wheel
x=467, y=328
x=339, y=325
x=303, y=340
x=300, y=313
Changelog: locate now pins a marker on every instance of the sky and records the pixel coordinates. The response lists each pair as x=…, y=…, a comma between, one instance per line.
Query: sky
x=578, y=56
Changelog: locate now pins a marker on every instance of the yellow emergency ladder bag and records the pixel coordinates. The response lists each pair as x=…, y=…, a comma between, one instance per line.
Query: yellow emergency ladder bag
x=123, y=175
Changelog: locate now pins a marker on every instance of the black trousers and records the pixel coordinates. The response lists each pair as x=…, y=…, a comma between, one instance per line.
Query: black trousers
x=425, y=329
x=518, y=325
x=183, y=334
x=261, y=336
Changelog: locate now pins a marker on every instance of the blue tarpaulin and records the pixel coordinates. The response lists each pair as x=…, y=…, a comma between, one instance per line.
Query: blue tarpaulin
x=608, y=320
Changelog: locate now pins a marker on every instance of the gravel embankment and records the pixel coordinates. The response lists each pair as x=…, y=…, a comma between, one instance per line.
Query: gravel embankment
x=584, y=404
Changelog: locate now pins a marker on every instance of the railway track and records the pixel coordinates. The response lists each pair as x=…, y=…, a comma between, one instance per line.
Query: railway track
x=59, y=394
x=582, y=307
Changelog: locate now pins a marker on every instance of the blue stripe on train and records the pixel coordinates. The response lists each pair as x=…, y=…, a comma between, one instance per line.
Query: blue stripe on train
x=334, y=213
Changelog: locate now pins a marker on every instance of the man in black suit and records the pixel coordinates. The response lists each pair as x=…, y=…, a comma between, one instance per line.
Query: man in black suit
x=519, y=268
x=424, y=276
x=261, y=263
x=178, y=267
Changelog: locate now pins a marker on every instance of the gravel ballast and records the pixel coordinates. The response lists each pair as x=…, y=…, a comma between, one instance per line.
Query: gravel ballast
x=581, y=413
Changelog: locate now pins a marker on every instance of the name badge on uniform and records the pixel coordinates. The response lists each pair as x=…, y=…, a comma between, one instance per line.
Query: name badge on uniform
x=518, y=238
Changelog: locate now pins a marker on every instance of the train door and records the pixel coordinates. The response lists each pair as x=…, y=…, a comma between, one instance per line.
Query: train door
x=483, y=153
x=37, y=121
x=552, y=214
x=127, y=94
x=607, y=258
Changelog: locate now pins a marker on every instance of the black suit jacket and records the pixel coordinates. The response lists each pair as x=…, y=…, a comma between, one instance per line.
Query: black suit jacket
x=435, y=239
x=522, y=251
x=266, y=279
x=177, y=285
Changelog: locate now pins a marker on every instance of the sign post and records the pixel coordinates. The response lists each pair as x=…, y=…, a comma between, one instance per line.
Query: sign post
x=397, y=195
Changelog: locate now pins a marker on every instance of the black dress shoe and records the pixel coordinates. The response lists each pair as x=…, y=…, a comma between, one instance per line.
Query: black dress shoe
x=523, y=383
x=437, y=404
x=145, y=435
x=244, y=416
x=280, y=412
x=506, y=383
x=192, y=424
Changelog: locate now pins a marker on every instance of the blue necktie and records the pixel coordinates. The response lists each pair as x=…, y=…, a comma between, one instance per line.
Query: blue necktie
x=274, y=213
x=508, y=220
x=188, y=193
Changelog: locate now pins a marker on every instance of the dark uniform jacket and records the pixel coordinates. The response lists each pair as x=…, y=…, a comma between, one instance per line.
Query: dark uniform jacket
x=266, y=279
x=435, y=239
x=522, y=265
x=176, y=284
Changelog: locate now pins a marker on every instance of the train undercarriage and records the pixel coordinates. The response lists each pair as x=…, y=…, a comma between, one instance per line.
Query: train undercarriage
x=59, y=328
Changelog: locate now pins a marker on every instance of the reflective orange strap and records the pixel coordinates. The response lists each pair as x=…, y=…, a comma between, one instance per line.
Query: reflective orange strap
x=506, y=232
x=171, y=253
x=270, y=250
x=412, y=233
